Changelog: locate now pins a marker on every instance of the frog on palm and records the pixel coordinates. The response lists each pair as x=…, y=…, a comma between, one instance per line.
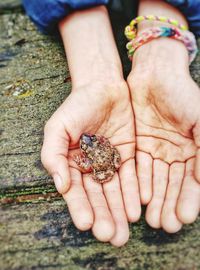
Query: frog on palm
x=98, y=156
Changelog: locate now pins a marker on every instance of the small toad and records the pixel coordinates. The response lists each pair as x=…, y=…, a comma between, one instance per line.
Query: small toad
x=98, y=156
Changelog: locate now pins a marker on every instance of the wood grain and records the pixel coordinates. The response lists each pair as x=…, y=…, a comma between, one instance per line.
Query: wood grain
x=36, y=231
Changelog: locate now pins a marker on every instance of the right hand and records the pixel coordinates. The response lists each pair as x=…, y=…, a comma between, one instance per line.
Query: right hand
x=167, y=115
x=107, y=208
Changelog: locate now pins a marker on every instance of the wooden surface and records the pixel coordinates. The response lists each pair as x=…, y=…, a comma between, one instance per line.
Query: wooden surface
x=36, y=231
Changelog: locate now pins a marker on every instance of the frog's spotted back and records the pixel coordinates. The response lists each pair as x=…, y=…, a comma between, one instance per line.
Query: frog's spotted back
x=103, y=157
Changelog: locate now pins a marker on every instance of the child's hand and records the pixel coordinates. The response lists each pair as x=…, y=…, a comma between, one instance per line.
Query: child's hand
x=105, y=208
x=166, y=103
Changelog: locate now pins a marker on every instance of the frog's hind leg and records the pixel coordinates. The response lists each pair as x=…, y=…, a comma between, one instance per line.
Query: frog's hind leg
x=103, y=176
x=83, y=162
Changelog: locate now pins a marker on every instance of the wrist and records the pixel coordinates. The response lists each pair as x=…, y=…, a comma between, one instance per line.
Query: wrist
x=161, y=54
x=100, y=71
x=90, y=47
x=109, y=92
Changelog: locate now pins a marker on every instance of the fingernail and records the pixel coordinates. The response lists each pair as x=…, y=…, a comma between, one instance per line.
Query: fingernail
x=58, y=182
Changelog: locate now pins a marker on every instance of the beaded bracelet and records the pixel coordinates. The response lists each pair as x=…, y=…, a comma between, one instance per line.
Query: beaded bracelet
x=131, y=31
x=186, y=37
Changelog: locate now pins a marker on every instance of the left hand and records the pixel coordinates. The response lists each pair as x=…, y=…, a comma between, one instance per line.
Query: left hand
x=166, y=104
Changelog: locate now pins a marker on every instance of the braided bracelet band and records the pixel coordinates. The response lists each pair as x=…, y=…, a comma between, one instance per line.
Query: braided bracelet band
x=131, y=31
x=186, y=37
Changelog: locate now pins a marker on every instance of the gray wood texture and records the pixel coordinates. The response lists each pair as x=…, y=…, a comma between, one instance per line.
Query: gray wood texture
x=36, y=231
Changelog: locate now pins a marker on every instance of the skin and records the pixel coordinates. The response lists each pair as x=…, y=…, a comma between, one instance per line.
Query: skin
x=167, y=127
x=98, y=98
x=166, y=137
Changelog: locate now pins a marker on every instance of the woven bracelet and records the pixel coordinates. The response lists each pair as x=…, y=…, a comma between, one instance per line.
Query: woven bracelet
x=186, y=37
x=131, y=30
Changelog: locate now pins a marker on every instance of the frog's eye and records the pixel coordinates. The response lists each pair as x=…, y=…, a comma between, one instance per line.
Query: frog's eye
x=93, y=138
x=86, y=139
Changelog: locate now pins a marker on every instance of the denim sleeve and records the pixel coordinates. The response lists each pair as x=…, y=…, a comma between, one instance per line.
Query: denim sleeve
x=47, y=13
x=191, y=10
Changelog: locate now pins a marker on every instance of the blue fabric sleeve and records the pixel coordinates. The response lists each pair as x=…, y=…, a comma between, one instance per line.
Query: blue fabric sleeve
x=47, y=13
x=191, y=10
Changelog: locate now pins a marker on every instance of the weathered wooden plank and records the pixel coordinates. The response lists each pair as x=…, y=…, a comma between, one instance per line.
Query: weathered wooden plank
x=27, y=55
x=41, y=236
x=36, y=231
x=7, y=6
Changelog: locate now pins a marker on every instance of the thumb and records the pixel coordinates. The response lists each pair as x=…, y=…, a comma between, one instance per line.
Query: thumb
x=54, y=154
x=196, y=134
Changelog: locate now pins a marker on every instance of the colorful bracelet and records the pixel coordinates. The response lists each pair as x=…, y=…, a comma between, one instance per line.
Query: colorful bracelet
x=131, y=30
x=186, y=37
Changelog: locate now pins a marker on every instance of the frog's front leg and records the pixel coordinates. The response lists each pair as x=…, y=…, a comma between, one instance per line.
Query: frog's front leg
x=83, y=162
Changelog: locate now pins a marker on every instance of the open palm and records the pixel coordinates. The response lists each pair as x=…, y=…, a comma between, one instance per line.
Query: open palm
x=105, y=208
x=167, y=113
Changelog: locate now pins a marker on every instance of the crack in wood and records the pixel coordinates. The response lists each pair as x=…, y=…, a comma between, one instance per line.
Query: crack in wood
x=30, y=198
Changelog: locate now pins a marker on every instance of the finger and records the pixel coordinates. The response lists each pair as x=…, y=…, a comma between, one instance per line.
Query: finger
x=169, y=220
x=54, y=155
x=144, y=172
x=196, y=133
x=189, y=199
x=197, y=165
x=104, y=226
x=130, y=190
x=113, y=194
x=160, y=179
x=78, y=203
